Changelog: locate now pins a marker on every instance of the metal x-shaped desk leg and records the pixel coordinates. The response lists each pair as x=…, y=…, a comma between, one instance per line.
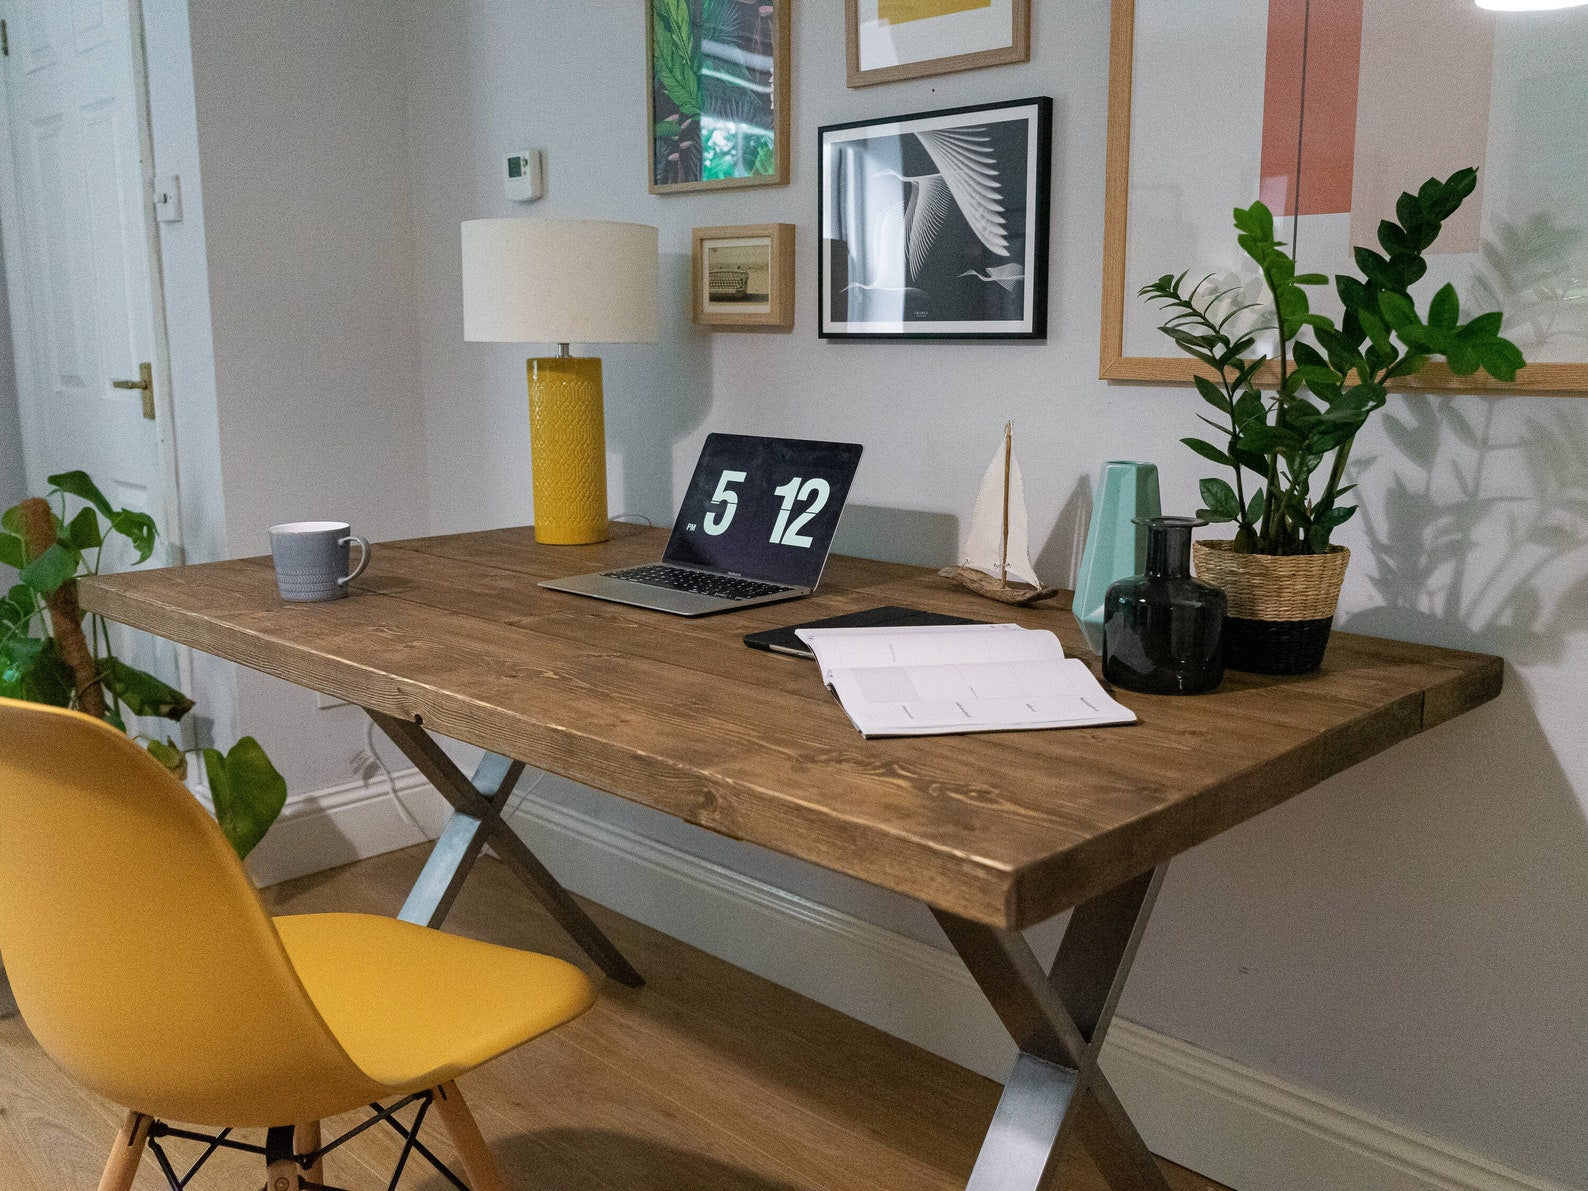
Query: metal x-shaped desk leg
x=476, y=820
x=1059, y=1020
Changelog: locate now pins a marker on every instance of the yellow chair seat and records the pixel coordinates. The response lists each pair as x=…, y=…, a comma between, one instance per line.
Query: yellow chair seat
x=414, y=1007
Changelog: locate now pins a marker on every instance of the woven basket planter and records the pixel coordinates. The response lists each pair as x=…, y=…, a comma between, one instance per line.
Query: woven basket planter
x=1281, y=608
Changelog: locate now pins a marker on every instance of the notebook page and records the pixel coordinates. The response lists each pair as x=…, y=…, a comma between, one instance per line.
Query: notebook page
x=975, y=681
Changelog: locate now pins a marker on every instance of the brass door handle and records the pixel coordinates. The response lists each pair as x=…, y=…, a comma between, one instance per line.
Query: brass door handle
x=145, y=382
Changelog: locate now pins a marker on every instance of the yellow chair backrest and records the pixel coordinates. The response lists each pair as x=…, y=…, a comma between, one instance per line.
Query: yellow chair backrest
x=138, y=950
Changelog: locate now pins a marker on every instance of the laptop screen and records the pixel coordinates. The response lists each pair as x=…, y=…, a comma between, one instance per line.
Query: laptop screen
x=765, y=508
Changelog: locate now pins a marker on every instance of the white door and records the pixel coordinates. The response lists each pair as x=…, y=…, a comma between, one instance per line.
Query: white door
x=79, y=266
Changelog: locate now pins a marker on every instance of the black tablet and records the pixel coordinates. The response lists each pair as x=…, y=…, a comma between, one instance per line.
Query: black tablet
x=890, y=617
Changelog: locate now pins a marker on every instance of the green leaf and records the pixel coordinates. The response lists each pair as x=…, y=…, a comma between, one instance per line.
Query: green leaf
x=1502, y=359
x=1354, y=295
x=1213, y=395
x=1393, y=239
x=1208, y=451
x=137, y=528
x=32, y=669
x=12, y=552
x=247, y=791
x=1397, y=310
x=1445, y=310
x=168, y=754
x=83, y=530
x=1485, y=326
x=1333, y=518
x=79, y=485
x=1254, y=507
x=1375, y=329
x=21, y=598
x=11, y=521
x=143, y=693
x=1220, y=499
x=48, y=571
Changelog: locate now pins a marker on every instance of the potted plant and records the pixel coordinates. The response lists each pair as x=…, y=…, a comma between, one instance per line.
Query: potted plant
x=46, y=657
x=1285, y=427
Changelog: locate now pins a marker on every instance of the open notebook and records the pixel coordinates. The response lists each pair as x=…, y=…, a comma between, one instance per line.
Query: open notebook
x=940, y=679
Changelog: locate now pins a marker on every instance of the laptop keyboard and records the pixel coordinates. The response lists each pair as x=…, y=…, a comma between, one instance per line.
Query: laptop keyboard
x=699, y=582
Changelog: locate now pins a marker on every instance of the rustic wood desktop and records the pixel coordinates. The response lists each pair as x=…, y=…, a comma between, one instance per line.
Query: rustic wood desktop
x=993, y=832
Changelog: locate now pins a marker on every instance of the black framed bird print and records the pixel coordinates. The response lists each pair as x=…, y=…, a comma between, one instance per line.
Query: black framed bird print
x=935, y=225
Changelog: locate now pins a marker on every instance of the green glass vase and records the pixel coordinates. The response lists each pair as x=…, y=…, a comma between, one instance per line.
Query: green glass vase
x=1116, y=544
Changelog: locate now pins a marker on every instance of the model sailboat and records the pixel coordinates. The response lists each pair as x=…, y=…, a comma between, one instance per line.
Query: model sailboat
x=997, y=550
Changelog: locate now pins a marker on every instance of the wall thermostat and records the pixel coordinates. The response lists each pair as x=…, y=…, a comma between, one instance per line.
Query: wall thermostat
x=524, y=175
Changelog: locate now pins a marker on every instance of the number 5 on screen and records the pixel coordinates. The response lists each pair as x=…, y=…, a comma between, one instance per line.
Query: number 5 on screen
x=818, y=488
x=725, y=496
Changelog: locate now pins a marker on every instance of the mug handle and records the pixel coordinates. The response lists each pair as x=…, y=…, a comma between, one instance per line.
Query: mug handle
x=363, y=558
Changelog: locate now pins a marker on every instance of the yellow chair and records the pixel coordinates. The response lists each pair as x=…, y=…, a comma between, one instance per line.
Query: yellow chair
x=146, y=966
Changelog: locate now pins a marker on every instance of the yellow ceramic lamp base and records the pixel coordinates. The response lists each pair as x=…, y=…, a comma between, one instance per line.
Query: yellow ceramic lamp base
x=568, y=450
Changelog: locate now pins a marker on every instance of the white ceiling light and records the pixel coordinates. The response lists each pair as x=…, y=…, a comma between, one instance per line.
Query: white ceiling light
x=1528, y=5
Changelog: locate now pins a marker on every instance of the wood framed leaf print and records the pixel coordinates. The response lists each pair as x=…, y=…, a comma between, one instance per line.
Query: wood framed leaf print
x=718, y=95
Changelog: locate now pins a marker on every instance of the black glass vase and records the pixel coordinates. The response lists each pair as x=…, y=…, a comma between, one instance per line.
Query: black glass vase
x=1163, y=632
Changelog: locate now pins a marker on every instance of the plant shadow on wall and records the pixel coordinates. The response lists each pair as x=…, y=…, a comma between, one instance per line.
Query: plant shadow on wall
x=1536, y=271
x=1481, y=539
x=662, y=396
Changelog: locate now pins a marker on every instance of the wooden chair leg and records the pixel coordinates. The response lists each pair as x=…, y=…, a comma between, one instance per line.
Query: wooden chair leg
x=479, y=1164
x=283, y=1175
x=306, y=1140
x=122, y=1167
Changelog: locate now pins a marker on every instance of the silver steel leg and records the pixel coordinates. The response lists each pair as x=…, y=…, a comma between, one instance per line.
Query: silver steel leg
x=1059, y=1019
x=477, y=820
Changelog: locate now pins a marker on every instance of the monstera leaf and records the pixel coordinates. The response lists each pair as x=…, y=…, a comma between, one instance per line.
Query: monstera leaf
x=247, y=790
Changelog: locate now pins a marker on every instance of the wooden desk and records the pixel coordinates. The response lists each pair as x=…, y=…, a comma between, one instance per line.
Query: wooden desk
x=994, y=832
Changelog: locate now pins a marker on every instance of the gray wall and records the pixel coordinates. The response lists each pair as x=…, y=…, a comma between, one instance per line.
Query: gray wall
x=13, y=481
x=1407, y=937
x=288, y=290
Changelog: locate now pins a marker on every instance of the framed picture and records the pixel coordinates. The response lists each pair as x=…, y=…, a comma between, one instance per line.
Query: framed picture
x=1330, y=147
x=935, y=226
x=744, y=277
x=718, y=94
x=906, y=39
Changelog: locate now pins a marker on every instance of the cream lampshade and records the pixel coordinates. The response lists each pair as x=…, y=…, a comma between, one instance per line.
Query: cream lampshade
x=562, y=282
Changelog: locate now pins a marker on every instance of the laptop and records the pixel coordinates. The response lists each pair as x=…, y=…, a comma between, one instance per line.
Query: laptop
x=754, y=528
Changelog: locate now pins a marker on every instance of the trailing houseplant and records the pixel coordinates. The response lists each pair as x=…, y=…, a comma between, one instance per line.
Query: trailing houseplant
x=1286, y=419
x=47, y=655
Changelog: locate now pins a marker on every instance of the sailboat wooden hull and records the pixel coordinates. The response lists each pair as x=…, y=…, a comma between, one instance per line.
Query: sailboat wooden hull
x=987, y=585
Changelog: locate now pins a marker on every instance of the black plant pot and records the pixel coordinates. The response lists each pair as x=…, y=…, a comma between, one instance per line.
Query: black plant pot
x=1275, y=646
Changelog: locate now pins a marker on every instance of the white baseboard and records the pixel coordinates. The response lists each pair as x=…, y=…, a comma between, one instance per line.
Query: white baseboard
x=1229, y=1122
x=353, y=821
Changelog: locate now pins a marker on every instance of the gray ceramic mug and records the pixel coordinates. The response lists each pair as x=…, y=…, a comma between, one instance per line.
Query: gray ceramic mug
x=311, y=559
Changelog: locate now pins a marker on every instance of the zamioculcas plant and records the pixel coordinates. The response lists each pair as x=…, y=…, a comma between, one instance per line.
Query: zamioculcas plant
x=1288, y=447
x=47, y=655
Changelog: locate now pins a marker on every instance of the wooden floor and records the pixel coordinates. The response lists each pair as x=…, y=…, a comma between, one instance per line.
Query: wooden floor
x=708, y=1079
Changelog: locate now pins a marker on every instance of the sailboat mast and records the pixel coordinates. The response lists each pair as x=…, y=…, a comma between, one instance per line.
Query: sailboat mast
x=1003, y=554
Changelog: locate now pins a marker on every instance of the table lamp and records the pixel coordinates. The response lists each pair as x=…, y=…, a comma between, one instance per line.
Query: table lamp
x=562, y=282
